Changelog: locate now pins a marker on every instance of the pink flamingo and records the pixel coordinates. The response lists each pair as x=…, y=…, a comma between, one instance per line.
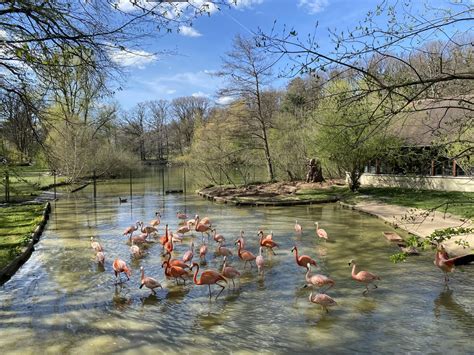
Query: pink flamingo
x=217, y=237
x=180, y=215
x=245, y=255
x=184, y=229
x=156, y=222
x=176, y=262
x=223, y=251
x=188, y=256
x=149, y=282
x=241, y=239
x=100, y=257
x=140, y=239
x=321, y=233
x=303, y=260
x=267, y=242
x=298, y=228
x=229, y=272
x=193, y=221
x=120, y=266
x=131, y=229
x=323, y=300
x=135, y=250
x=203, y=252
x=209, y=277
x=96, y=245
x=317, y=280
x=147, y=229
x=445, y=263
x=202, y=228
x=260, y=262
x=175, y=272
x=364, y=277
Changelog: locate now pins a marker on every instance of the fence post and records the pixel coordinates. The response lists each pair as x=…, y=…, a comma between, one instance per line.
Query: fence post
x=95, y=184
x=131, y=184
x=54, y=183
x=184, y=178
x=7, y=187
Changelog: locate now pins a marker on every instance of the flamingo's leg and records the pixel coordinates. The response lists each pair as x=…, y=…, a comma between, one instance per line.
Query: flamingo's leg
x=222, y=289
x=209, y=291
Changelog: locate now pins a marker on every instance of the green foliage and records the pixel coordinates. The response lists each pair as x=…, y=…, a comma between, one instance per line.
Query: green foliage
x=441, y=235
x=398, y=257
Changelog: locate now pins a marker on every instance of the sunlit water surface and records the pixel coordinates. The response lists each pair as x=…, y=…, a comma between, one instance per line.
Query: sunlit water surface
x=60, y=301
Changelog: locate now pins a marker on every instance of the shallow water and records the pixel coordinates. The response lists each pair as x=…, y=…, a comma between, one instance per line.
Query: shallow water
x=61, y=301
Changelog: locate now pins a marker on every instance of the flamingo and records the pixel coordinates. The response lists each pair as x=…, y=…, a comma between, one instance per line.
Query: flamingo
x=135, y=250
x=241, y=238
x=169, y=246
x=203, y=252
x=303, y=260
x=193, y=221
x=156, y=222
x=245, y=254
x=298, y=228
x=100, y=257
x=321, y=233
x=202, y=228
x=229, y=272
x=217, y=237
x=131, y=229
x=120, y=266
x=176, y=262
x=221, y=250
x=323, y=300
x=205, y=221
x=180, y=215
x=317, y=280
x=140, y=239
x=96, y=245
x=445, y=263
x=260, y=262
x=267, y=242
x=208, y=277
x=364, y=277
x=147, y=229
x=164, y=239
x=149, y=282
x=184, y=229
x=188, y=256
x=174, y=272
x=176, y=237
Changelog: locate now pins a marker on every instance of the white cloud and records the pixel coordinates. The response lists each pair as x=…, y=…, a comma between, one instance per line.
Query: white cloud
x=224, y=100
x=200, y=94
x=189, y=31
x=240, y=4
x=313, y=6
x=170, y=91
x=132, y=58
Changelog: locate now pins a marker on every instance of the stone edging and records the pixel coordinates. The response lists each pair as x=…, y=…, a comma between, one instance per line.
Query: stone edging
x=261, y=203
x=8, y=271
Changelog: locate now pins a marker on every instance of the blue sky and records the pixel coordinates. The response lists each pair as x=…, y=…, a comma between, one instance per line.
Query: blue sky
x=200, y=48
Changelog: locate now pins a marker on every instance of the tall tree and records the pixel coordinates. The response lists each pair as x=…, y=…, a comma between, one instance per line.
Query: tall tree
x=248, y=73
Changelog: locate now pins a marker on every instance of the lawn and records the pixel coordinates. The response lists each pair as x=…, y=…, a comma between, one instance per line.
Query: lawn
x=457, y=203
x=26, y=182
x=16, y=225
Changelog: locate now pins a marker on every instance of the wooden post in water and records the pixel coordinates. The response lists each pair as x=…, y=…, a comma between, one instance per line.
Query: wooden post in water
x=94, y=177
x=131, y=185
x=184, y=180
x=163, y=180
x=54, y=178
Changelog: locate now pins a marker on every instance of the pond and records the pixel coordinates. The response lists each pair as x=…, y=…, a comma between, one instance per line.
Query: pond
x=61, y=301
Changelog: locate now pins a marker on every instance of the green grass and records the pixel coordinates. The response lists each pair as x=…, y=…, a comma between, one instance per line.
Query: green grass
x=16, y=225
x=457, y=203
x=26, y=182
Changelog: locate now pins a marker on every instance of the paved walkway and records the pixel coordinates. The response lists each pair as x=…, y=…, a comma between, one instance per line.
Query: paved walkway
x=417, y=222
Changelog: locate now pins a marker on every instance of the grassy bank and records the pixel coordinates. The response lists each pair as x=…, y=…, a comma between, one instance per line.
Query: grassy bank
x=16, y=225
x=457, y=203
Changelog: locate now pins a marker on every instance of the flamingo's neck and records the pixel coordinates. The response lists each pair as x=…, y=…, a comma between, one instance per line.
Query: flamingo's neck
x=317, y=226
x=261, y=238
x=195, y=276
x=296, y=254
x=240, y=248
x=308, y=273
x=353, y=270
x=143, y=274
x=223, y=266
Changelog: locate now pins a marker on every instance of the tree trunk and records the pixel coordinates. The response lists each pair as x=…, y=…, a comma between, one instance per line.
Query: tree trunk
x=267, y=155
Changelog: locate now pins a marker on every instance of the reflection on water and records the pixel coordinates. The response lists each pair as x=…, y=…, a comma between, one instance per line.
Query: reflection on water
x=62, y=301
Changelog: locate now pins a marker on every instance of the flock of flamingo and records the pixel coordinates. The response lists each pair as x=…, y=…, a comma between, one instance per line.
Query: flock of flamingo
x=183, y=268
